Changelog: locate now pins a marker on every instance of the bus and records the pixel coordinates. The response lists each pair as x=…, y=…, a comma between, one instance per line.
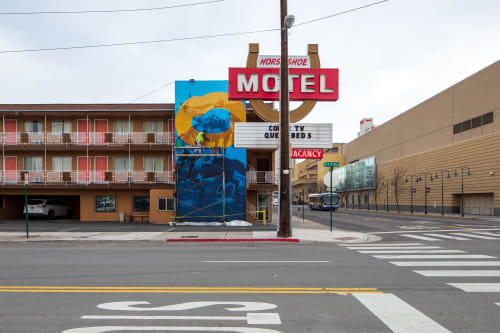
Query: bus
x=321, y=201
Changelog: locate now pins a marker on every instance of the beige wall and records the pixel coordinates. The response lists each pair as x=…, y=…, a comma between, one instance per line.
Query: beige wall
x=156, y=216
x=429, y=125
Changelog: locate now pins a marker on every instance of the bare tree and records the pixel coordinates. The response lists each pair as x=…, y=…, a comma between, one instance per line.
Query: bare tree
x=378, y=182
x=399, y=183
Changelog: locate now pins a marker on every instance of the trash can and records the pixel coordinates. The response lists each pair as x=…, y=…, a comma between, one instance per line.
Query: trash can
x=122, y=217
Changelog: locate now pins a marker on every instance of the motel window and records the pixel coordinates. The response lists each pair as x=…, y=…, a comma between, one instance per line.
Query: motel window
x=33, y=163
x=105, y=203
x=487, y=118
x=122, y=126
x=32, y=126
x=141, y=204
x=61, y=126
x=123, y=164
x=346, y=199
x=61, y=163
x=366, y=198
x=153, y=164
x=153, y=126
x=165, y=204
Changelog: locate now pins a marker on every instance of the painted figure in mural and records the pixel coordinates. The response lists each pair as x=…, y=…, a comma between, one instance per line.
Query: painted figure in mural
x=200, y=138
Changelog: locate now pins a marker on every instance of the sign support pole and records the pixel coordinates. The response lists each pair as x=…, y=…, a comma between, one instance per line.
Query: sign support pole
x=331, y=201
x=26, y=207
x=303, y=205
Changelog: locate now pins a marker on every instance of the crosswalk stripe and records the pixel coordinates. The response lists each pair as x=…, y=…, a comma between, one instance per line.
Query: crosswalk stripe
x=421, y=237
x=435, y=256
x=381, y=244
x=474, y=236
x=393, y=247
x=413, y=251
x=477, y=287
x=446, y=263
x=398, y=315
x=487, y=233
x=447, y=236
x=459, y=273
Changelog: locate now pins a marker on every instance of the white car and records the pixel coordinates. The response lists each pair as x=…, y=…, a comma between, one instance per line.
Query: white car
x=48, y=208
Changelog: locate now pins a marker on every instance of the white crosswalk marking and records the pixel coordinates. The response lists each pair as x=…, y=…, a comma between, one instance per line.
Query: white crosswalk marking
x=446, y=263
x=421, y=237
x=488, y=233
x=393, y=247
x=412, y=251
x=477, y=287
x=473, y=235
x=435, y=256
x=447, y=236
x=457, y=273
x=398, y=315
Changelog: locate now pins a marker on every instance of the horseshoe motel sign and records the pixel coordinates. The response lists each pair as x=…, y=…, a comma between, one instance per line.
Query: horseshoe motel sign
x=307, y=82
x=260, y=81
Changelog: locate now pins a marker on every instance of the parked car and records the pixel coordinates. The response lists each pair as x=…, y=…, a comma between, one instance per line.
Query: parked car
x=48, y=208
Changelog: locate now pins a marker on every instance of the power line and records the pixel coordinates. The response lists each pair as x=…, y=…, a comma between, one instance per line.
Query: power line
x=111, y=10
x=152, y=91
x=340, y=13
x=139, y=42
x=185, y=38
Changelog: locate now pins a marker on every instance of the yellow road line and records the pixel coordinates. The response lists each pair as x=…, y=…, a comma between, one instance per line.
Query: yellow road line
x=183, y=288
x=219, y=290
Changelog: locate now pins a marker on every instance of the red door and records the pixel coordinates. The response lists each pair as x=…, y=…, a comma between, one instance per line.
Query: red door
x=83, y=131
x=101, y=166
x=10, y=171
x=101, y=127
x=83, y=169
x=10, y=131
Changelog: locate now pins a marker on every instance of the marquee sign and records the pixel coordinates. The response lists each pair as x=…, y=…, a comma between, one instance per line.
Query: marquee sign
x=259, y=81
x=307, y=153
x=266, y=135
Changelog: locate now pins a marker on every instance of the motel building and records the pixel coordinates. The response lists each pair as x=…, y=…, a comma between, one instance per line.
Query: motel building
x=108, y=162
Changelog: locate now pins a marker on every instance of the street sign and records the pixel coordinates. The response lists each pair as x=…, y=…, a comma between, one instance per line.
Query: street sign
x=331, y=164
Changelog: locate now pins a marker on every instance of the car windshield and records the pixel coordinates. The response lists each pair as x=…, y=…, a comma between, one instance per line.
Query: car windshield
x=35, y=202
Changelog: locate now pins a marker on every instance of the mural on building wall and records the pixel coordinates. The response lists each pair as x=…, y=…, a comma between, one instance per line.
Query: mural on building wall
x=211, y=180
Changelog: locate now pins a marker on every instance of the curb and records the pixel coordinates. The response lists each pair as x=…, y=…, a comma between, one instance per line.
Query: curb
x=206, y=240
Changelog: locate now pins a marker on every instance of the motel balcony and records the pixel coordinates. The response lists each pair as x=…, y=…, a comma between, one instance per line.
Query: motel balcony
x=86, y=139
x=85, y=178
x=261, y=180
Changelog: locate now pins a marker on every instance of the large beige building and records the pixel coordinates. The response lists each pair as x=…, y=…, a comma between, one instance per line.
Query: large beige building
x=456, y=132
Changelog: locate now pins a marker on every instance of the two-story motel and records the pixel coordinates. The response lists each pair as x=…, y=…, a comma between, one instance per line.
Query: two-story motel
x=103, y=160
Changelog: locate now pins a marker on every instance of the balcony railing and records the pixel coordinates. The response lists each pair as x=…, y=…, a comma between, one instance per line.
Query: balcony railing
x=87, y=138
x=260, y=177
x=18, y=177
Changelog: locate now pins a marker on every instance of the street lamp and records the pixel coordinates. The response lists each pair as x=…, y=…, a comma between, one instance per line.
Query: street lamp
x=419, y=179
x=442, y=171
x=462, y=194
x=284, y=229
x=411, y=189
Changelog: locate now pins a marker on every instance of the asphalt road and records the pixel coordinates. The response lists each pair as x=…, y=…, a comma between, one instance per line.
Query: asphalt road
x=445, y=283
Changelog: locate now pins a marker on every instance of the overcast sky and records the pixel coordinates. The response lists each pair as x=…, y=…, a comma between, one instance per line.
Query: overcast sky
x=391, y=56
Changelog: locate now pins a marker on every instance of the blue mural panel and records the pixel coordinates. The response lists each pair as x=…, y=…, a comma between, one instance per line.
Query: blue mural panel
x=211, y=180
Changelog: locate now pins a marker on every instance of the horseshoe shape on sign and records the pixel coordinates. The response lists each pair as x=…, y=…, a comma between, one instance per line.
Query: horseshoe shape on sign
x=267, y=113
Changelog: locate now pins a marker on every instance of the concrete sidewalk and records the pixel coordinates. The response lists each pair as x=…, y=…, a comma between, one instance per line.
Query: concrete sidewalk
x=302, y=231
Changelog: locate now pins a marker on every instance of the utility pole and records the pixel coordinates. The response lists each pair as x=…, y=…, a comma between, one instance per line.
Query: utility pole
x=284, y=216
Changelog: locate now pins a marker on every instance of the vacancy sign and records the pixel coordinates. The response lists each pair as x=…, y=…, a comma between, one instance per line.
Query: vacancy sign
x=320, y=84
x=307, y=153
